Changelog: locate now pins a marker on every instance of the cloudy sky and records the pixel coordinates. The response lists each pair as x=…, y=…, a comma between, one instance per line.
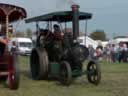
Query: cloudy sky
x=108, y=15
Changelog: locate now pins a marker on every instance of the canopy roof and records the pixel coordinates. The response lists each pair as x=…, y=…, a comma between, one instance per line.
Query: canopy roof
x=62, y=16
x=13, y=12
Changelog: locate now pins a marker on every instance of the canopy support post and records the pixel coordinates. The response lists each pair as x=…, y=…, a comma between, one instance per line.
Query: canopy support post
x=65, y=27
x=86, y=34
x=7, y=25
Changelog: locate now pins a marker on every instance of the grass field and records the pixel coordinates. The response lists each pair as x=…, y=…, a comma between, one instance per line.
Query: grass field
x=114, y=83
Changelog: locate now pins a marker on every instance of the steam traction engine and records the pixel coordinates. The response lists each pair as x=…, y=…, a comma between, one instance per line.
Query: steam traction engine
x=61, y=56
x=9, y=68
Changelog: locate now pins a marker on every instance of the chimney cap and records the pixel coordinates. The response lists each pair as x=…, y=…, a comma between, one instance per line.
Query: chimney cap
x=75, y=6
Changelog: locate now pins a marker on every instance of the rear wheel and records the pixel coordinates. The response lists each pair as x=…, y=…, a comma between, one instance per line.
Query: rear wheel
x=93, y=72
x=65, y=73
x=39, y=63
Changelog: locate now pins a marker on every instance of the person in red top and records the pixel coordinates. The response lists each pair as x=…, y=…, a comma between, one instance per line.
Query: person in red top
x=3, y=38
x=58, y=38
x=3, y=42
x=58, y=34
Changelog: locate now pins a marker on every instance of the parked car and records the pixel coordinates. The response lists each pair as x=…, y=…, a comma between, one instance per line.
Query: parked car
x=24, y=45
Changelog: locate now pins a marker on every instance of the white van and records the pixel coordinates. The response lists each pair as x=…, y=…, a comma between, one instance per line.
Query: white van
x=24, y=45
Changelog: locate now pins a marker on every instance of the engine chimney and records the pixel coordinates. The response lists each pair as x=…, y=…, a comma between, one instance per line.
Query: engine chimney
x=75, y=21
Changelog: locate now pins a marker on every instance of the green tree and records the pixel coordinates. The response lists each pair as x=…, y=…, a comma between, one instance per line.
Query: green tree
x=19, y=34
x=120, y=37
x=28, y=33
x=98, y=35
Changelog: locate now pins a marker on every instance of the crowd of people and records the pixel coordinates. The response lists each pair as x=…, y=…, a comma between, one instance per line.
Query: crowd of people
x=110, y=53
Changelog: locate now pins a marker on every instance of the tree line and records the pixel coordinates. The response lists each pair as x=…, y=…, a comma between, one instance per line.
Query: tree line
x=96, y=35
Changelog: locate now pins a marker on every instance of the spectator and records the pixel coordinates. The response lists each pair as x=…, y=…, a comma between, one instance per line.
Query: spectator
x=58, y=35
x=114, y=53
x=123, y=50
x=91, y=52
x=106, y=52
x=98, y=53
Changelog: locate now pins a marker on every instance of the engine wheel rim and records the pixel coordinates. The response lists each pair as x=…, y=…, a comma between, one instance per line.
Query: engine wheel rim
x=94, y=73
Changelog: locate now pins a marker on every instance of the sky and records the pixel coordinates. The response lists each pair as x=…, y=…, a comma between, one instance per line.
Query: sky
x=108, y=15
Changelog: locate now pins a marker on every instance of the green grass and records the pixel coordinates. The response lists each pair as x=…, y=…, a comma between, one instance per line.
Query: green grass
x=114, y=83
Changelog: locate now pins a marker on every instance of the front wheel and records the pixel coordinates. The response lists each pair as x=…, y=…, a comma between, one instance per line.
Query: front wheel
x=93, y=72
x=65, y=73
x=39, y=64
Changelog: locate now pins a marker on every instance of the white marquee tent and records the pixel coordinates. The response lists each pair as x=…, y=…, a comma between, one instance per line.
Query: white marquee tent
x=88, y=41
x=118, y=40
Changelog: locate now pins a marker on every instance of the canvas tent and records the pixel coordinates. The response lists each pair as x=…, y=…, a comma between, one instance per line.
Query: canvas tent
x=119, y=40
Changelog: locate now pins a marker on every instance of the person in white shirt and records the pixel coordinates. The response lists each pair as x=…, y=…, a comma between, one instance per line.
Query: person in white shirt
x=114, y=53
